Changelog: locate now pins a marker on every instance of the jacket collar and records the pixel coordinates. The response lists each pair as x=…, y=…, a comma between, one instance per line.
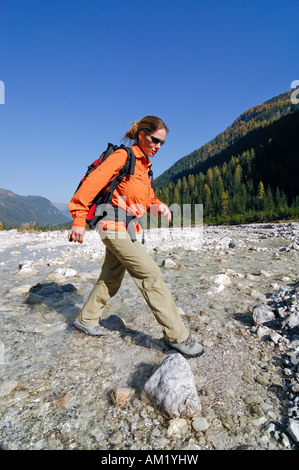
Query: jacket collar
x=139, y=154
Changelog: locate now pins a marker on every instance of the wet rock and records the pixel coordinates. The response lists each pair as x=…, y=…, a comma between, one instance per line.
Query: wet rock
x=179, y=266
x=216, y=289
x=265, y=273
x=37, y=323
x=168, y=263
x=121, y=396
x=200, y=424
x=263, y=332
x=20, y=290
x=66, y=272
x=172, y=388
x=221, y=279
x=116, y=438
x=237, y=244
x=292, y=321
x=26, y=267
x=7, y=387
x=177, y=426
x=262, y=314
x=275, y=337
x=293, y=430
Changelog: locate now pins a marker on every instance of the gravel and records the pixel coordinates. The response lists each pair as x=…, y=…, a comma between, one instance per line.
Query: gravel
x=61, y=389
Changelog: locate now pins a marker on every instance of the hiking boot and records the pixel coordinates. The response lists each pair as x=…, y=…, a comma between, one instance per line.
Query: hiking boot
x=189, y=347
x=89, y=330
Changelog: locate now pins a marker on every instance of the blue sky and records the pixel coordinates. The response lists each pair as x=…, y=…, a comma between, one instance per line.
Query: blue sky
x=77, y=72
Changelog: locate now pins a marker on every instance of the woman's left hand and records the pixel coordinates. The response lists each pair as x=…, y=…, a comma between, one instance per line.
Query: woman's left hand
x=165, y=211
x=76, y=234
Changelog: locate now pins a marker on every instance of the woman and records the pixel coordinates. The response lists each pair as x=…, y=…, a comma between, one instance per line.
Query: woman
x=134, y=195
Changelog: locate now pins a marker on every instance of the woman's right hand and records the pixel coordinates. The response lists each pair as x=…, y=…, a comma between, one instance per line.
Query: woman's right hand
x=76, y=234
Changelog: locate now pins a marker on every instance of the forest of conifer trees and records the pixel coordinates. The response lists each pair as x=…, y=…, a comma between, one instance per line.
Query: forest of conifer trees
x=231, y=193
x=247, y=173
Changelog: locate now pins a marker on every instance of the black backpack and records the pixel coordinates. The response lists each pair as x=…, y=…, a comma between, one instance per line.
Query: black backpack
x=101, y=198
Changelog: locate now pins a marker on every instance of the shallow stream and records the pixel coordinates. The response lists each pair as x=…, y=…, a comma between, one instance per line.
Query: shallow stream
x=56, y=382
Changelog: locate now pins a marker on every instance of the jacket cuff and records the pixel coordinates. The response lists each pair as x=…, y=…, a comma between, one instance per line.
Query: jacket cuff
x=78, y=222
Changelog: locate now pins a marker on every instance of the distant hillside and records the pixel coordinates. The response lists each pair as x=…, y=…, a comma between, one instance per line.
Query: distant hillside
x=64, y=208
x=16, y=210
x=232, y=140
x=248, y=172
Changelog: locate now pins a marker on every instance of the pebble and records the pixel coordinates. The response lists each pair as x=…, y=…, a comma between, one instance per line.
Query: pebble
x=121, y=396
x=116, y=438
x=200, y=424
x=216, y=289
x=221, y=279
x=177, y=426
x=265, y=273
x=66, y=272
x=7, y=387
x=168, y=263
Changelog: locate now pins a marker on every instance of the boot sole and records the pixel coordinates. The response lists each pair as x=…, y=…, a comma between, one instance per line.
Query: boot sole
x=169, y=346
x=80, y=328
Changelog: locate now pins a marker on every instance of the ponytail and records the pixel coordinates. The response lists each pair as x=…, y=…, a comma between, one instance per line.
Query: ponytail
x=148, y=124
x=132, y=133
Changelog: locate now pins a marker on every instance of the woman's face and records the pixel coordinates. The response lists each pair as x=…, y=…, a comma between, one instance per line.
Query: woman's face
x=146, y=144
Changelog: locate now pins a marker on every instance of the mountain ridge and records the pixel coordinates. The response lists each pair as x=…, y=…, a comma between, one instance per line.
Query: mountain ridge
x=259, y=116
x=16, y=210
x=247, y=173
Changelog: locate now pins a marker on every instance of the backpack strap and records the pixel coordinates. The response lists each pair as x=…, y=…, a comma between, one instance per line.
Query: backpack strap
x=127, y=169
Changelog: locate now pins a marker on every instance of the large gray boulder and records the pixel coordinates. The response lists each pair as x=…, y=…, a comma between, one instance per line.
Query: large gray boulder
x=172, y=390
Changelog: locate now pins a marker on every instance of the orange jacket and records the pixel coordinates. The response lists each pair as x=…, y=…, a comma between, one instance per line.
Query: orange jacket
x=134, y=193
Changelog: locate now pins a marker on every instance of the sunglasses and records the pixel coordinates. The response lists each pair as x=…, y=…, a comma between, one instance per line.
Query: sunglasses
x=156, y=141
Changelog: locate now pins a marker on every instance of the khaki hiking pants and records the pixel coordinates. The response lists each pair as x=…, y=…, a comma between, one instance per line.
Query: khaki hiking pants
x=122, y=254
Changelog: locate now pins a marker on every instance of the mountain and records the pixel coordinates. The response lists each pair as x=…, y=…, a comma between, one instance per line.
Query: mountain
x=248, y=172
x=239, y=136
x=16, y=210
x=64, y=208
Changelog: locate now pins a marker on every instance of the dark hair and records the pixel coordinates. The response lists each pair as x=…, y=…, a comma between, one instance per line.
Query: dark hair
x=148, y=124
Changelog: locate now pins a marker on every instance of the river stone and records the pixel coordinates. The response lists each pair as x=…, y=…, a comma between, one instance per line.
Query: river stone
x=168, y=263
x=221, y=279
x=37, y=323
x=216, y=289
x=7, y=386
x=172, y=390
x=176, y=426
x=200, y=424
x=292, y=321
x=120, y=396
x=293, y=430
x=66, y=272
x=237, y=244
x=262, y=314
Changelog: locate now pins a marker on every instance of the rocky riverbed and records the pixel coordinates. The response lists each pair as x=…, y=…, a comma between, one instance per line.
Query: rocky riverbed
x=237, y=289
